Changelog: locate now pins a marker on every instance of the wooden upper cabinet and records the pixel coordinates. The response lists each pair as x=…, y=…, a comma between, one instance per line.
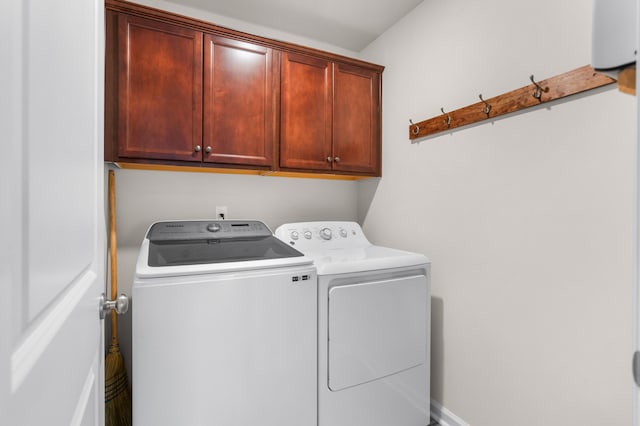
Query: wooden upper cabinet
x=330, y=116
x=356, y=124
x=239, y=102
x=184, y=92
x=306, y=112
x=159, y=90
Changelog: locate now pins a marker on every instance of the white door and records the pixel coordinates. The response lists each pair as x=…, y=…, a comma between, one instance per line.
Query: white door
x=51, y=212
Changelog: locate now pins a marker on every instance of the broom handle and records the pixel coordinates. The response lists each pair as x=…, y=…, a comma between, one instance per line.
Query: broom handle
x=113, y=254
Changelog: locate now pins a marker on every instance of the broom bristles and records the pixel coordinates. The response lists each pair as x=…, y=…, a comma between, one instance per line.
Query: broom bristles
x=117, y=397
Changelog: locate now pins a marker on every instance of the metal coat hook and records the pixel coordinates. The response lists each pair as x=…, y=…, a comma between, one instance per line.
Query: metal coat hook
x=448, y=120
x=531, y=94
x=416, y=129
x=539, y=89
x=487, y=107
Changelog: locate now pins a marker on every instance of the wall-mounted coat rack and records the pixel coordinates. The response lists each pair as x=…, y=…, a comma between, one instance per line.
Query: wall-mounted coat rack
x=570, y=83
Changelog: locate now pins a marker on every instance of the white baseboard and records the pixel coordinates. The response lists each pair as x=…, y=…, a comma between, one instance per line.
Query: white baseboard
x=445, y=417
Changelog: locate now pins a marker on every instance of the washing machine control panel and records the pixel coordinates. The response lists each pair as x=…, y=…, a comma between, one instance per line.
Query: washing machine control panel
x=322, y=235
x=191, y=230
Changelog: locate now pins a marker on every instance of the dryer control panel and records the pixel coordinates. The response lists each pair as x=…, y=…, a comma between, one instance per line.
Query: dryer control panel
x=311, y=236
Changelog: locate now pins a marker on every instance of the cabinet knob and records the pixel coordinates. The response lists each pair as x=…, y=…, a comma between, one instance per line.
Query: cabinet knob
x=329, y=159
x=207, y=149
x=337, y=159
x=197, y=148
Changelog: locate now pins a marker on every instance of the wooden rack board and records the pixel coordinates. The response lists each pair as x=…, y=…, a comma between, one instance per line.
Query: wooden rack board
x=570, y=83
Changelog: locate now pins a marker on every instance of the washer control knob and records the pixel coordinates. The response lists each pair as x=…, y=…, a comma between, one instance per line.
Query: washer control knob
x=343, y=233
x=294, y=235
x=325, y=233
x=307, y=235
x=213, y=227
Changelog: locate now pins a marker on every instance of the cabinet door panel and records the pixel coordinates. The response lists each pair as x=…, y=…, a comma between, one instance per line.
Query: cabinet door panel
x=305, y=133
x=238, y=102
x=356, y=128
x=160, y=90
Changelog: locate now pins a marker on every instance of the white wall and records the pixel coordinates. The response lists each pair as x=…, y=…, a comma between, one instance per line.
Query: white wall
x=527, y=220
x=148, y=196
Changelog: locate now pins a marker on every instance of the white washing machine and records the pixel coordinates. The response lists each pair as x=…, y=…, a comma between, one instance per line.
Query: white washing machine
x=224, y=320
x=373, y=326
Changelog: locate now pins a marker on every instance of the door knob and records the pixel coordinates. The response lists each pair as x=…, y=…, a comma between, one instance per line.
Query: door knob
x=197, y=148
x=120, y=305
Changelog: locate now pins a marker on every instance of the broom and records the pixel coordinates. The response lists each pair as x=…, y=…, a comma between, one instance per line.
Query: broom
x=117, y=397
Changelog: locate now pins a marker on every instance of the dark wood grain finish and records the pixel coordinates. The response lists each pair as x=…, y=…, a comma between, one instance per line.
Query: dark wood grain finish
x=238, y=102
x=160, y=90
x=306, y=113
x=570, y=83
x=111, y=87
x=356, y=139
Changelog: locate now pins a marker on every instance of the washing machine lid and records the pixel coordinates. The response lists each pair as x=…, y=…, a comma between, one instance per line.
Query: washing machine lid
x=195, y=247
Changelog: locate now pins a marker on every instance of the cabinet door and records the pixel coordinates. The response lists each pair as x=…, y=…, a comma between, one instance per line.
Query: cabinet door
x=160, y=90
x=306, y=113
x=356, y=122
x=239, y=112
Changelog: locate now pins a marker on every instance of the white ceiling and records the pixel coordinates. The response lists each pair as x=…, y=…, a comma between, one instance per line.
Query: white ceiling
x=350, y=24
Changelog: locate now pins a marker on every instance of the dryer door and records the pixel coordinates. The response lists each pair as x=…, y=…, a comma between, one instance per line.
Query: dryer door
x=376, y=329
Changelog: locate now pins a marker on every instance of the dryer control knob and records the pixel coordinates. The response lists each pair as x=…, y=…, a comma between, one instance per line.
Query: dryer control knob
x=294, y=235
x=325, y=233
x=343, y=233
x=308, y=235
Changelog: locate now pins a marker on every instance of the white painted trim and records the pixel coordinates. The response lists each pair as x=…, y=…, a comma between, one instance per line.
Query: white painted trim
x=26, y=355
x=83, y=399
x=445, y=417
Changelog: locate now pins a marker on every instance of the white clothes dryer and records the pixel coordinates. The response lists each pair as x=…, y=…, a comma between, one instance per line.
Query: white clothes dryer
x=224, y=320
x=373, y=326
